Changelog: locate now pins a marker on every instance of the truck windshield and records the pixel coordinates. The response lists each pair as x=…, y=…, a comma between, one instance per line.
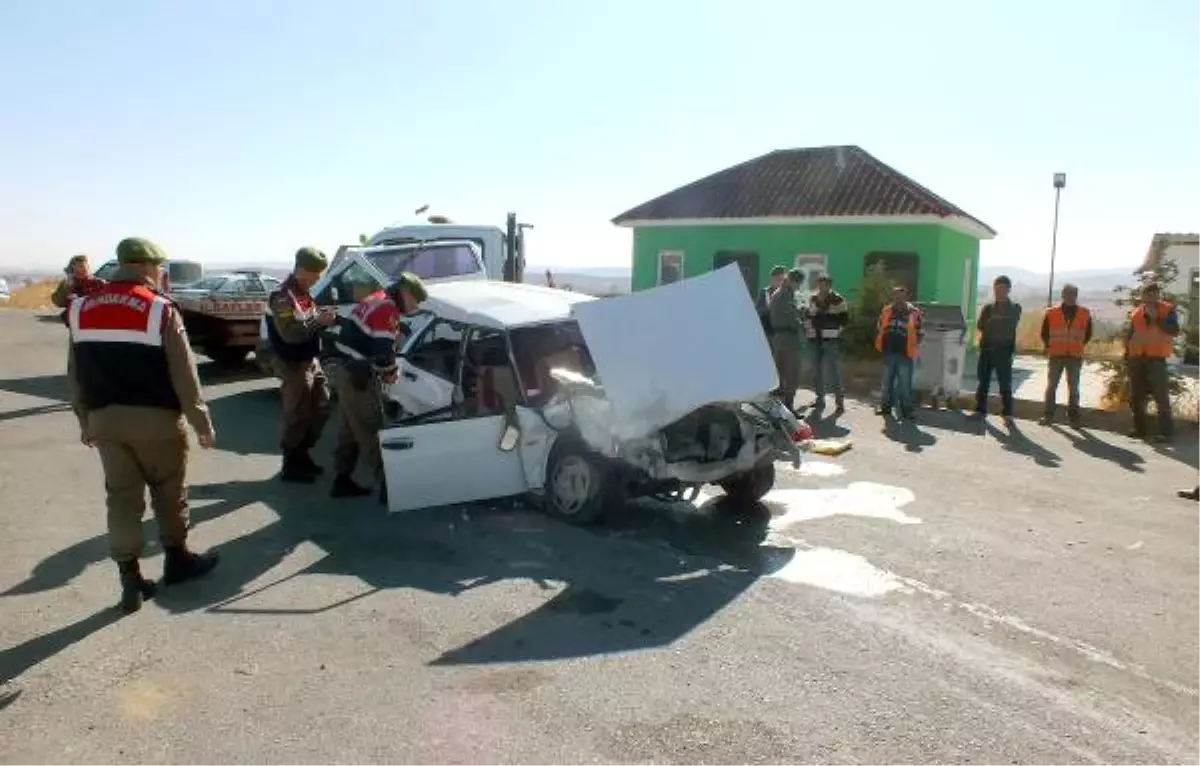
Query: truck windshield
x=432, y=261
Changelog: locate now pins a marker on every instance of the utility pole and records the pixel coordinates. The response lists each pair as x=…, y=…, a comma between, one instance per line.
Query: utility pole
x=1060, y=181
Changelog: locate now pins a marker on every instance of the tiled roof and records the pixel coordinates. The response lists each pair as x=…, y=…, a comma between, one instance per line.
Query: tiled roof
x=795, y=183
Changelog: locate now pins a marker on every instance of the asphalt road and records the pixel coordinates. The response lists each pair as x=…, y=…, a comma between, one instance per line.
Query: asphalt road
x=942, y=594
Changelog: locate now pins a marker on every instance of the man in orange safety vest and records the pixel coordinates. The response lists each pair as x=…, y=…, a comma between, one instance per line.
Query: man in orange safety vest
x=1149, y=342
x=1066, y=330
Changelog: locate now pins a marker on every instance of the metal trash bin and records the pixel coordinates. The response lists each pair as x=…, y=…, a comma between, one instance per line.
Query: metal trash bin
x=943, y=350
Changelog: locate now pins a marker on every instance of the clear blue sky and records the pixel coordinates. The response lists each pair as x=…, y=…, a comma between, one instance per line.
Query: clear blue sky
x=241, y=129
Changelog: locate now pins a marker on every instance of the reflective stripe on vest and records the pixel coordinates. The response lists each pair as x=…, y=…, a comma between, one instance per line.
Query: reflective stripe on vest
x=1149, y=340
x=121, y=313
x=377, y=317
x=1067, y=339
x=885, y=321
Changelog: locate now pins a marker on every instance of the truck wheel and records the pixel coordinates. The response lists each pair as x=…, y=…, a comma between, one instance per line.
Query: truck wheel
x=752, y=485
x=576, y=485
x=228, y=356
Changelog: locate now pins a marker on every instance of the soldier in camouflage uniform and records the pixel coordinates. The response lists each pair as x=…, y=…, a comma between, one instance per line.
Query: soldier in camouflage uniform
x=294, y=324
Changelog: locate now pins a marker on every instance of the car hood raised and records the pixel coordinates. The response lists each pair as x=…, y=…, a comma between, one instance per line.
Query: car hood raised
x=663, y=353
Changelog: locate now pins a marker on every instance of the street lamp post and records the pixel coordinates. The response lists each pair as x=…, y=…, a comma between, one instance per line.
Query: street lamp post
x=1060, y=181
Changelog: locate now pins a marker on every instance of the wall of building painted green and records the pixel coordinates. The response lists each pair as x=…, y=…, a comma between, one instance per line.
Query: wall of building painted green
x=845, y=247
x=955, y=251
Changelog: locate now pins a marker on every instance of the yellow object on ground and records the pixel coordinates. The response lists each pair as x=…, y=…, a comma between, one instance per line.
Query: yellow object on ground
x=832, y=447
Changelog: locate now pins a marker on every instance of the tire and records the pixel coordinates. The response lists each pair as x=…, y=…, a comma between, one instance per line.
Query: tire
x=228, y=356
x=752, y=485
x=577, y=485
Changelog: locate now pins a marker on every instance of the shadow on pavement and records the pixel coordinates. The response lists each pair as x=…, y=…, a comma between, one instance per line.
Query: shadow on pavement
x=29, y=412
x=17, y=659
x=1087, y=443
x=52, y=387
x=248, y=422
x=9, y=697
x=909, y=434
x=1186, y=450
x=622, y=588
x=1014, y=440
x=824, y=424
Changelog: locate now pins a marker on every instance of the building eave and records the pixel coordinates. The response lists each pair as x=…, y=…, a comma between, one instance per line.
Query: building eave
x=958, y=223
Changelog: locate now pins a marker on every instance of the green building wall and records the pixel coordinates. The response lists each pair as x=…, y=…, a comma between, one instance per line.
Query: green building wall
x=942, y=253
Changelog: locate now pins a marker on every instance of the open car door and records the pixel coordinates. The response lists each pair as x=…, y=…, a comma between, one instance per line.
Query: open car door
x=449, y=462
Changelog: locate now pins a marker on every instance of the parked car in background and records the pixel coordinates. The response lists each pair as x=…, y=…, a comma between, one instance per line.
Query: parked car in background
x=512, y=389
x=5, y=294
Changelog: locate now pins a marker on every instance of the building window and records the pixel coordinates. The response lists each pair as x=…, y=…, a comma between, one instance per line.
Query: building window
x=900, y=268
x=670, y=266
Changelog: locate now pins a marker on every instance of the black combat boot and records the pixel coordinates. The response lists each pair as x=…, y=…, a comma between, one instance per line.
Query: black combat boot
x=306, y=463
x=345, y=486
x=294, y=469
x=134, y=588
x=181, y=565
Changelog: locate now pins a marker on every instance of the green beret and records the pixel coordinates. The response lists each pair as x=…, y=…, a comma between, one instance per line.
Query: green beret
x=311, y=259
x=412, y=283
x=138, y=250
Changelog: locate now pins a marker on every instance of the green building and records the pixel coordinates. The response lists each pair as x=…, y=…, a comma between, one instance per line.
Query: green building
x=835, y=209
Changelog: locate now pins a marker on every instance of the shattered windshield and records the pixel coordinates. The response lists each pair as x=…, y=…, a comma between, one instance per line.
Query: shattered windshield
x=432, y=261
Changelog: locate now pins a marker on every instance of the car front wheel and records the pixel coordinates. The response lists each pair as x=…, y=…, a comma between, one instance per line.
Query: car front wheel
x=750, y=486
x=575, y=488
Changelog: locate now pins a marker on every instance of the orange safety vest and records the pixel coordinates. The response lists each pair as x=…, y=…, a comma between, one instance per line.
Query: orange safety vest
x=885, y=320
x=1067, y=338
x=1150, y=340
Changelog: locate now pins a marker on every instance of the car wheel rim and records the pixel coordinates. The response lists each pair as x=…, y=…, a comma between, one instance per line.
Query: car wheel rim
x=572, y=485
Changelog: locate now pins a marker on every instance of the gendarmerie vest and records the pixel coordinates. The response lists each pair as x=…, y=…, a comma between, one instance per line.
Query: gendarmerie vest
x=305, y=308
x=368, y=335
x=117, y=332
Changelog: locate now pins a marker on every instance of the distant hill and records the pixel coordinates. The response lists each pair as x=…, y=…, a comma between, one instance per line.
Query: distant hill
x=1088, y=280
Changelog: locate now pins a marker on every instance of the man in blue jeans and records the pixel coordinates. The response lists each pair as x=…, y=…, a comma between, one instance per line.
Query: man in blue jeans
x=827, y=315
x=898, y=339
x=997, y=327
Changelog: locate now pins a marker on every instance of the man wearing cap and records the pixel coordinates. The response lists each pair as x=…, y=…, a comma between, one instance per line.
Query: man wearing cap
x=368, y=339
x=133, y=386
x=79, y=281
x=1149, y=343
x=294, y=323
x=786, y=320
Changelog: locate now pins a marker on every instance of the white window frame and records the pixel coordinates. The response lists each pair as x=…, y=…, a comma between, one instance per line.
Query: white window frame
x=662, y=255
x=808, y=263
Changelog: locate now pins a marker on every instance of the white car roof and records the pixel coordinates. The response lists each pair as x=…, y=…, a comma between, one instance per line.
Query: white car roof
x=500, y=305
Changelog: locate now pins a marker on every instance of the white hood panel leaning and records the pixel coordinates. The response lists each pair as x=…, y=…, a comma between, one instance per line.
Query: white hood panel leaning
x=663, y=353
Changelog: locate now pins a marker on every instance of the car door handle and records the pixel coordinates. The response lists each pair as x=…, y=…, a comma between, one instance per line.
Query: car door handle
x=397, y=444
x=410, y=376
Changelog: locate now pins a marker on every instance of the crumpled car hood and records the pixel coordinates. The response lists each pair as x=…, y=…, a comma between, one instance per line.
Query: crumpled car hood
x=663, y=353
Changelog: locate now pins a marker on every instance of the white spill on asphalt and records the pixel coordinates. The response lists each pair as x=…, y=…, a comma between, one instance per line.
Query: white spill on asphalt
x=815, y=468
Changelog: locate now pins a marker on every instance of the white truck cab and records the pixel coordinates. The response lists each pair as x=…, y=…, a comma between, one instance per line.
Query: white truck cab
x=502, y=250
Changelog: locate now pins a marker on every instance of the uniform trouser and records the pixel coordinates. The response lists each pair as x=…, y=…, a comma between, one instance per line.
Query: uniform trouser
x=827, y=368
x=361, y=415
x=130, y=466
x=1148, y=378
x=305, y=394
x=785, y=349
x=1073, y=366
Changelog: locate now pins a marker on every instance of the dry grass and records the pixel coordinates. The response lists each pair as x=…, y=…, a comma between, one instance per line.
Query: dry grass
x=34, y=296
x=1029, y=339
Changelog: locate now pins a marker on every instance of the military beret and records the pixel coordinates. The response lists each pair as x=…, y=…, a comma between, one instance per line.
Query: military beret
x=138, y=250
x=412, y=283
x=74, y=260
x=311, y=259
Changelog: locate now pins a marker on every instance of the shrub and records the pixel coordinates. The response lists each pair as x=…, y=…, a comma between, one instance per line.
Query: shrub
x=858, y=338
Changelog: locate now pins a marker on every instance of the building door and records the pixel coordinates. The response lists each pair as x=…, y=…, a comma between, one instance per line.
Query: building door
x=747, y=263
x=900, y=268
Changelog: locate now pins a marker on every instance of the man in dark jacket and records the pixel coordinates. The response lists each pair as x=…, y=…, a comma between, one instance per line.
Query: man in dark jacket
x=762, y=303
x=786, y=320
x=827, y=315
x=997, y=327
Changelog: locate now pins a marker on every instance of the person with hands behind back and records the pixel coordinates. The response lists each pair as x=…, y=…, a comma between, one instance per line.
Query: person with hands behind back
x=294, y=325
x=133, y=383
x=368, y=339
x=1149, y=343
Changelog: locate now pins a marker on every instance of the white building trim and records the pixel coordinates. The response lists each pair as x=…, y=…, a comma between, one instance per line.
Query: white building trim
x=957, y=223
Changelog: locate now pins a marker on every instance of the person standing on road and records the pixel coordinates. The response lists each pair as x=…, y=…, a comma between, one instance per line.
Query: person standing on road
x=78, y=281
x=133, y=385
x=1066, y=330
x=368, y=339
x=827, y=315
x=294, y=325
x=786, y=320
x=763, y=303
x=1149, y=343
x=898, y=339
x=997, y=327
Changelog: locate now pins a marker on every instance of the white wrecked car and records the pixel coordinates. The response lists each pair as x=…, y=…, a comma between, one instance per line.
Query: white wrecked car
x=511, y=389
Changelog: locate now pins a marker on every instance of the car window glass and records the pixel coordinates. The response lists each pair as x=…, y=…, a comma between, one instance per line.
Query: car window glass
x=350, y=285
x=436, y=349
x=253, y=285
x=233, y=286
x=431, y=262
